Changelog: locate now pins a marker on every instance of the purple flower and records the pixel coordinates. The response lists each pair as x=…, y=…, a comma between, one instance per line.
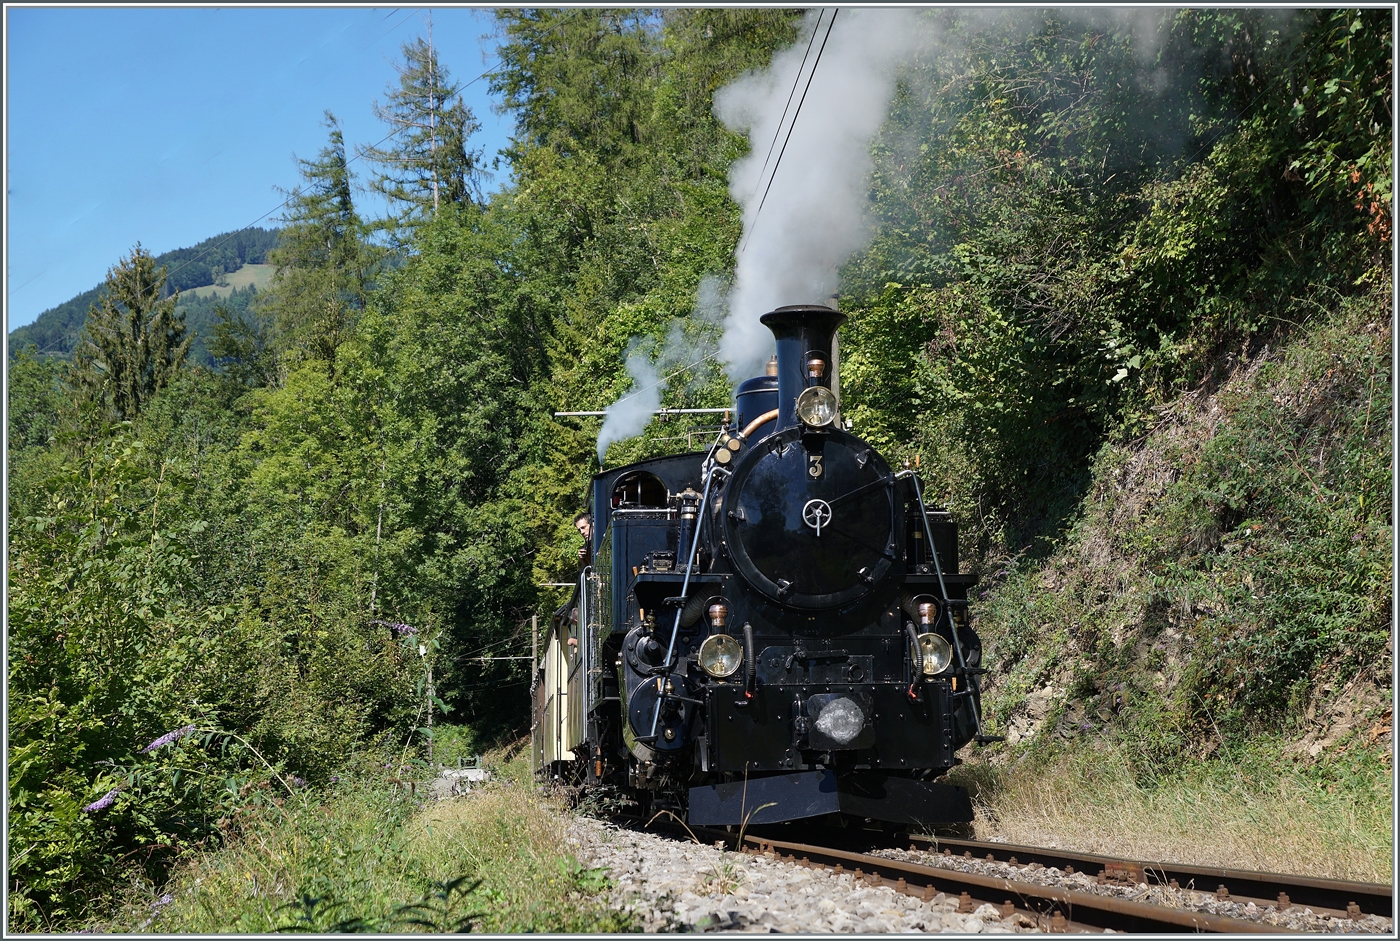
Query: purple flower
x=103, y=802
x=403, y=630
x=156, y=906
x=298, y=782
x=1356, y=537
x=167, y=738
x=335, y=779
x=1084, y=726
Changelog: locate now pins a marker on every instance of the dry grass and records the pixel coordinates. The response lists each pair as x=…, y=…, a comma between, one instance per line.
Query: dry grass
x=515, y=841
x=1221, y=814
x=723, y=878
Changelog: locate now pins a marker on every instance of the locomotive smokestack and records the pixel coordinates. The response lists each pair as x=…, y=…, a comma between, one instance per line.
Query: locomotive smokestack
x=806, y=336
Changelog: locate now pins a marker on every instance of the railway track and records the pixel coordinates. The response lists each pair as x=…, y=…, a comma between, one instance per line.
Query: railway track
x=1014, y=890
x=1336, y=897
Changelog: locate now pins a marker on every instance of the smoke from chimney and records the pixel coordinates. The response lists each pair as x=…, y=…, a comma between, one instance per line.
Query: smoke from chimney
x=816, y=211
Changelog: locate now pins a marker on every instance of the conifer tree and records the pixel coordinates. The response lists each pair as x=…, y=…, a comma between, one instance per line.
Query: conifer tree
x=133, y=343
x=580, y=81
x=323, y=263
x=427, y=163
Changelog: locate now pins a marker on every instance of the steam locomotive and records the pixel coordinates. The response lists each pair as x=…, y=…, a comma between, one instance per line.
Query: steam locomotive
x=770, y=630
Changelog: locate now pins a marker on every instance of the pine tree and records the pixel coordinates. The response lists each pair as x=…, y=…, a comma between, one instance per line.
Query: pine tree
x=580, y=81
x=323, y=263
x=428, y=163
x=134, y=342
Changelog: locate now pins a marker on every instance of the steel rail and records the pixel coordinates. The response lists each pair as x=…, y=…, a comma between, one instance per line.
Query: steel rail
x=1326, y=896
x=1080, y=910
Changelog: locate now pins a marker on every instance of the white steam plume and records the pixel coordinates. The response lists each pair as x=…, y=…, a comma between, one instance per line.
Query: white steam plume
x=689, y=343
x=815, y=214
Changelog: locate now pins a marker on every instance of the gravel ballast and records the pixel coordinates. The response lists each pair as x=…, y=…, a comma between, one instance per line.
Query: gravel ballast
x=1296, y=917
x=675, y=886
x=671, y=885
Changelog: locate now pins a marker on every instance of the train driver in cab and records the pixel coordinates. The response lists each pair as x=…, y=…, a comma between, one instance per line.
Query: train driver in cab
x=584, y=524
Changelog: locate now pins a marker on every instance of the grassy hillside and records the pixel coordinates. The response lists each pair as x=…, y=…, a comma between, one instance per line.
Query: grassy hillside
x=55, y=332
x=258, y=276
x=1218, y=618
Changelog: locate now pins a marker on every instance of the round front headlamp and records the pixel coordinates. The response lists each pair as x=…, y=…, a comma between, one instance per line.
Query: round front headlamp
x=720, y=655
x=817, y=406
x=935, y=654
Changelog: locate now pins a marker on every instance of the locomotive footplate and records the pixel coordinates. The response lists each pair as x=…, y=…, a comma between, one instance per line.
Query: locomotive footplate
x=776, y=798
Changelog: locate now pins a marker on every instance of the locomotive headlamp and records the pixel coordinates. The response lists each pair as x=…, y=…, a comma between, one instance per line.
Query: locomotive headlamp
x=721, y=655
x=817, y=406
x=935, y=653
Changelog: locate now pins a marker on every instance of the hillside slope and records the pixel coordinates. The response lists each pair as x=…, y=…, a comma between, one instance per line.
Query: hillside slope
x=55, y=331
x=1222, y=605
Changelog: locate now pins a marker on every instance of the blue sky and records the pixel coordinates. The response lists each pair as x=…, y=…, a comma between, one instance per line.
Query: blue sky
x=169, y=125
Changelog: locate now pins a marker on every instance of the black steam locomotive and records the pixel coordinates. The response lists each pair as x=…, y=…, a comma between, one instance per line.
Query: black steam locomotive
x=770, y=630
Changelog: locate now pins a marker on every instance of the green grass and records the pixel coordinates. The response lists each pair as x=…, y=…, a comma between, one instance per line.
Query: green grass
x=373, y=855
x=259, y=276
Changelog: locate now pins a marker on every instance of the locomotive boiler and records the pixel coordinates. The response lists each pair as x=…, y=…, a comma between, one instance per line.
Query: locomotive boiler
x=772, y=629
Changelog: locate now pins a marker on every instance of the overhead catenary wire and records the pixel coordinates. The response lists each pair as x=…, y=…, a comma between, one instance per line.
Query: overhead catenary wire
x=798, y=113
x=511, y=639
x=778, y=130
x=797, y=78
x=666, y=378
